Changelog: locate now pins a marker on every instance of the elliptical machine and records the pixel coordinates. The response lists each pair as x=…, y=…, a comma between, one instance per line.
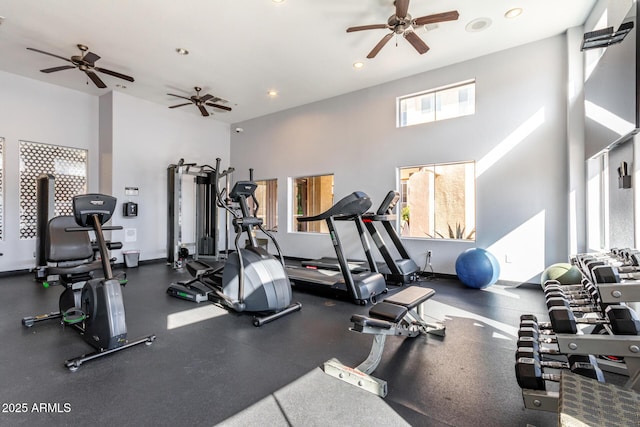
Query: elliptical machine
x=250, y=279
x=93, y=306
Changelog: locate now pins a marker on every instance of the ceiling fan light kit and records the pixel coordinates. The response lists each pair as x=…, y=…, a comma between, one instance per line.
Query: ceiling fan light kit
x=402, y=23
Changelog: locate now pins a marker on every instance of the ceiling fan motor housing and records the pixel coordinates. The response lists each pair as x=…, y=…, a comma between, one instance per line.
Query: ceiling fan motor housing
x=400, y=25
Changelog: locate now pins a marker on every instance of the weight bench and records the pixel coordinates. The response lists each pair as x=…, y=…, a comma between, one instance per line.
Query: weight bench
x=400, y=315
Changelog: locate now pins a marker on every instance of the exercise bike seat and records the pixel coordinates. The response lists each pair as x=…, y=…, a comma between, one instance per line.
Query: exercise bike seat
x=69, y=253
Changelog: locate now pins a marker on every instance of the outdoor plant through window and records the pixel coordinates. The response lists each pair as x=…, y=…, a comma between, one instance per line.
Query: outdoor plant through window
x=438, y=201
x=311, y=195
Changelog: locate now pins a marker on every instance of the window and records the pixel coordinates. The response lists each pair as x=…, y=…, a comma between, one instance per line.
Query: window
x=311, y=195
x=67, y=165
x=438, y=201
x=437, y=104
x=267, y=195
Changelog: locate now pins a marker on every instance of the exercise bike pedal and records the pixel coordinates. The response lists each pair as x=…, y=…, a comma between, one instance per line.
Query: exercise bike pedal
x=73, y=316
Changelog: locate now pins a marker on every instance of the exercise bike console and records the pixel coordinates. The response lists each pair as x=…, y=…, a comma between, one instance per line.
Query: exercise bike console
x=90, y=206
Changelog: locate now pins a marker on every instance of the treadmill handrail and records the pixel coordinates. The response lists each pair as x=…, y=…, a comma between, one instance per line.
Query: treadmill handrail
x=356, y=203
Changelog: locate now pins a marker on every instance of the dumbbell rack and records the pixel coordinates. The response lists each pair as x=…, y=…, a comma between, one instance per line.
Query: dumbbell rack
x=627, y=346
x=613, y=293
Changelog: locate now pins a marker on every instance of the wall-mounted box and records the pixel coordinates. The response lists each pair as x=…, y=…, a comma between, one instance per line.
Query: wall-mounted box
x=624, y=181
x=130, y=209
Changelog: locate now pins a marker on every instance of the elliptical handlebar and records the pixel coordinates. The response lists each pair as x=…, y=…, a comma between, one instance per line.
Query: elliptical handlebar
x=219, y=199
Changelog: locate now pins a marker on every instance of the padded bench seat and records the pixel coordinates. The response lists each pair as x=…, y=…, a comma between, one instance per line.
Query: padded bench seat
x=393, y=309
x=411, y=297
x=386, y=311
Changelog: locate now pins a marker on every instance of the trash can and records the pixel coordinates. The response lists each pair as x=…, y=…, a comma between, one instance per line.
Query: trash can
x=131, y=258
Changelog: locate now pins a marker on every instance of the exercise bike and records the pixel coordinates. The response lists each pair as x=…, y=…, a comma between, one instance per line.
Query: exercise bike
x=93, y=306
x=250, y=279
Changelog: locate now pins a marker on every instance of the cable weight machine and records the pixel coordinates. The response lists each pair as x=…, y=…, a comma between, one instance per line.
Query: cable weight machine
x=203, y=243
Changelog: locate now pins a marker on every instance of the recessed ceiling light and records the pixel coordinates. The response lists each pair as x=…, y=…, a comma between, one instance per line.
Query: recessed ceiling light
x=358, y=65
x=478, y=24
x=513, y=13
x=272, y=93
x=278, y=1
x=182, y=51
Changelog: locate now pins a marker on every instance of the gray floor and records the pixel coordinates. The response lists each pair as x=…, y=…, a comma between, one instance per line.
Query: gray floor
x=224, y=370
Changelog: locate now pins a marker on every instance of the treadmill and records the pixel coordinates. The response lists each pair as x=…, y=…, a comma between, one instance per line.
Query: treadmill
x=399, y=270
x=395, y=270
x=360, y=288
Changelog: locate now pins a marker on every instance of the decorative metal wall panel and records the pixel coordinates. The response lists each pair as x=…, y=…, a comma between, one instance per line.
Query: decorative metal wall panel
x=67, y=165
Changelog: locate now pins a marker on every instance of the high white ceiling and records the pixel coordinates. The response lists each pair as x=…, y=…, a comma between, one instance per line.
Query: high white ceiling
x=241, y=49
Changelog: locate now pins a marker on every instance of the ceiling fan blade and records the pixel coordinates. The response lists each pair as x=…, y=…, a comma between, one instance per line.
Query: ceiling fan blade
x=54, y=69
x=416, y=42
x=114, y=74
x=95, y=79
x=180, y=105
x=367, y=27
x=379, y=46
x=206, y=98
x=438, y=17
x=180, y=96
x=90, y=57
x=402, y=7
x=203, y=110
x=221, y=107
x=50, y=54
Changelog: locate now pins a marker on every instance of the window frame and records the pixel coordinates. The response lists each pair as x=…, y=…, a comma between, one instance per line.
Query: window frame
x=266, y=211
x=470, y=187
x=292, y=215
x=400, y=123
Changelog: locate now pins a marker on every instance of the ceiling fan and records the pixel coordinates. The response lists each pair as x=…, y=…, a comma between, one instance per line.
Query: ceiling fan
x=201, y=101
x=403, y=23
x=86, y=62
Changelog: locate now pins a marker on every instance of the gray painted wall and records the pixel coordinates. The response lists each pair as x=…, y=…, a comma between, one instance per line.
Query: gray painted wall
x=520, y=123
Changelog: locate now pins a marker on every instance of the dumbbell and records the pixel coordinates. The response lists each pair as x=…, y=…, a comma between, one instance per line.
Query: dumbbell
x=566, y=286
x=531, y=321
x=551, y=284
x=621, y=319
x=525, y=350
x=589, y=290
x=530, y=376
x=535, y=333
x=528, y=347
x=587, y=301
x=530, y=329
x=613, y=274
x=563, y=302
x=535, y=342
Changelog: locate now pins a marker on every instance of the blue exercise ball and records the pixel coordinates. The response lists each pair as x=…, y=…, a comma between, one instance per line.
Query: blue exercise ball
x=477, y=268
